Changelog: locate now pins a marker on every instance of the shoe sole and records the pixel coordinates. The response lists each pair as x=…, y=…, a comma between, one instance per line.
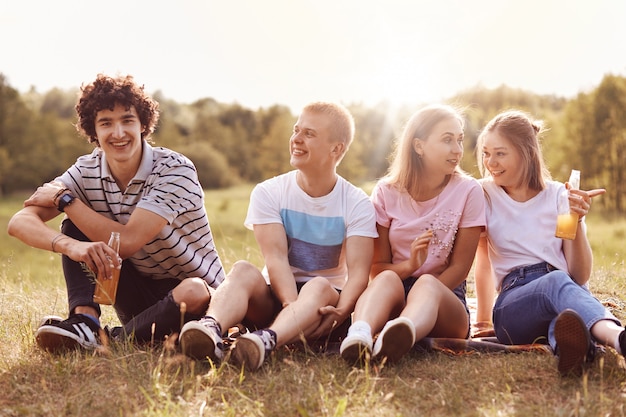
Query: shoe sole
x=55, y=343
x=196, y=344
x=54, y=340
x=573, y=340
x=249, y=352
x=396, y=342
x=356, y=353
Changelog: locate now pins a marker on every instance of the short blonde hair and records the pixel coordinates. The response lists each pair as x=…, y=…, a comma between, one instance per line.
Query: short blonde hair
x=342, y=121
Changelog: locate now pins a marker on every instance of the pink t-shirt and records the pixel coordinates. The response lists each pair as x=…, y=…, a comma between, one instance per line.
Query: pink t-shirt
x=461, y=204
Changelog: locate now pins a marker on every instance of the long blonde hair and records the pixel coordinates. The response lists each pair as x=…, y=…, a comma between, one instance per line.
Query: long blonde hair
x=523, y=133
x=407, y=168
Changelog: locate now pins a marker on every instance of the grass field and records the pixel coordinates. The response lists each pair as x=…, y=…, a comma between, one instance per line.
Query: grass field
x=127, y=380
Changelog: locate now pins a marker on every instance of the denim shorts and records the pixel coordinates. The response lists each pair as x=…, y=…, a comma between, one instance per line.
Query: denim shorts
x=459, y=291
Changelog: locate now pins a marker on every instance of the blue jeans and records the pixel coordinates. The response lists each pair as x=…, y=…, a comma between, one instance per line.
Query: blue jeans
x=141, y=301
x=533, y=296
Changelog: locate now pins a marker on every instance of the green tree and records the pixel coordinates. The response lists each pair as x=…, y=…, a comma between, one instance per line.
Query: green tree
x=241, y=144
x=15, y=121
x=273, y=156
x=609, y=137
x=60, y=103
x=175, y=122
x=368, y=158
x=213, y=168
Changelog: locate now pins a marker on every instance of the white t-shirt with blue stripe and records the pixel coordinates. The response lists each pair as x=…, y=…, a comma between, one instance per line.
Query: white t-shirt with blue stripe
x=316, y=227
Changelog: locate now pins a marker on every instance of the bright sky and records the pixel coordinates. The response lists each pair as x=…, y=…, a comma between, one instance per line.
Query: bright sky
x=291, y=52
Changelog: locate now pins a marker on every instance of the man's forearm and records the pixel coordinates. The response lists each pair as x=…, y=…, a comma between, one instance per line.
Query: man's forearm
x=351, y=292
x=27, y=226
x=283, y=284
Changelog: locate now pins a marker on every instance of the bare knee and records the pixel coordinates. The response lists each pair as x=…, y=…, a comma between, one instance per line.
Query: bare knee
x=194, y=292
x=386, y=279
x=428, y=281
x=428, y=286
x=242, y=271
x=320, y=289
x=244, y=275
x=318, y=285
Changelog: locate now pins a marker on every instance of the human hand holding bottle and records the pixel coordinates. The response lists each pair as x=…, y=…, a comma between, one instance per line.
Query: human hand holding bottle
x=573, y=204
x=106, y=286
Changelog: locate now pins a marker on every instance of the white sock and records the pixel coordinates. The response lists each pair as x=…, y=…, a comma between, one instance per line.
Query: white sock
x=360, y=326
x=618, y=348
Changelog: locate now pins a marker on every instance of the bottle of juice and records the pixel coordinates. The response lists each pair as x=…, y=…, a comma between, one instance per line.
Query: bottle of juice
x=567, y=222
x=106, y=288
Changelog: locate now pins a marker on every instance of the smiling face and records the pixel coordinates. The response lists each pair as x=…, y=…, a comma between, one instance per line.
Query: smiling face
x=119, y=135
x=310, y=145
x=442, y=150
x=502, y=160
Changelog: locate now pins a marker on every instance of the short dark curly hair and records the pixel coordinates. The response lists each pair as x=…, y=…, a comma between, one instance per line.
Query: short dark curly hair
x=104, y=93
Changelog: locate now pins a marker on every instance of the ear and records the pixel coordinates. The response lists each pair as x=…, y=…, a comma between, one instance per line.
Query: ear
x=337, y=149
x=417, y=147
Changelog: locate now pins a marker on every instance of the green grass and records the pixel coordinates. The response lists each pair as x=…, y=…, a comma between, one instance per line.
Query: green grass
x=129, y=380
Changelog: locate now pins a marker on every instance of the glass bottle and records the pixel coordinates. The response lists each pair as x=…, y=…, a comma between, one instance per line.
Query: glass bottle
x=566, y=221
x=106, y=288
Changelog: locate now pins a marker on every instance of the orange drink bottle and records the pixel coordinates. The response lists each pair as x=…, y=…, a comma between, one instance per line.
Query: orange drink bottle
x=106, y=288
x=566, y=221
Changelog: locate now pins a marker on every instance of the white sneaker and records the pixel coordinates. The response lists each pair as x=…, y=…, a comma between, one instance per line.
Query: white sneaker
x=202, y=340
x=395, y=340
x=356, y=348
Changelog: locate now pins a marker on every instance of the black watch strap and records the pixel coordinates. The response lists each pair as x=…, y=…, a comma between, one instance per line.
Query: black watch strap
x=65, y=200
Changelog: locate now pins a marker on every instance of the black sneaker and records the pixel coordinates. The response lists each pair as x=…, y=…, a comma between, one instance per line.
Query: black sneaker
x=573, y=342
x=51, y=319
x=78, y=331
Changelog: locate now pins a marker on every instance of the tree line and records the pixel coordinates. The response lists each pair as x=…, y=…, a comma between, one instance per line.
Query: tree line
x=230, y=143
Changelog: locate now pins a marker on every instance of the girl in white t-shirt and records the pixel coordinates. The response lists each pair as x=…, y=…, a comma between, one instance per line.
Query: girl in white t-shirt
x=429, y=217
x=541, y=279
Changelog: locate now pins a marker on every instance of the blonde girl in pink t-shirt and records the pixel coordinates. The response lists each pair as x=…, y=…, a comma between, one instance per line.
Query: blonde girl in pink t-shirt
x=429, y=218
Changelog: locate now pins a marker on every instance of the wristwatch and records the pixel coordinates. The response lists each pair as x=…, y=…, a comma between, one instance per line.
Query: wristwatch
x=65, y=200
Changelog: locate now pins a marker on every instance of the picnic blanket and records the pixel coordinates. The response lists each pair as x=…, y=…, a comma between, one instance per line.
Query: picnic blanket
x=482, y=341
x=447, y=345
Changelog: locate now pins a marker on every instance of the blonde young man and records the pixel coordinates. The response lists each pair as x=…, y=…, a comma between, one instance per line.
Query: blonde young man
x=315, y=231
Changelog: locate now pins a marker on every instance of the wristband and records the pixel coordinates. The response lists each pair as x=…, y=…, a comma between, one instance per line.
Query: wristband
x=58, y=194
x=64, y=201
